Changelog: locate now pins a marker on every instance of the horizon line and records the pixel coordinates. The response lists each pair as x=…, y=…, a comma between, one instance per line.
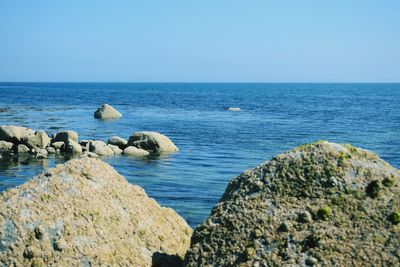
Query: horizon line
x=208, y=82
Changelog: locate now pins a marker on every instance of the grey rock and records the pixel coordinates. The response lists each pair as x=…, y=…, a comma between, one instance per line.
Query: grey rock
x=64, y=136
x=23, y=148
x=89, y=155
x=84, y=211
x=153, y=142
x=71, y=147
x=14, y=134
x=6, y=146
x=38, y=140
x=233, y=109
x=118, y=141
x=57, y=145
x=115, y=149
x=244, y=228
x=134, y=151
x=50, y=150
x=107, y=112
x=100, y=148
x=40, y=153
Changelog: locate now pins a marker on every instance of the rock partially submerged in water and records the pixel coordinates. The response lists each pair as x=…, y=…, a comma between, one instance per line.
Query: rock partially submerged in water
x=107, y=112
x=319, y=204
x=152, y=142
x=134, y=151
x=100, y=148
x=83, y=213
x=39, y=139
x=14, y=134
x=6, y=146
x=118, y=141
x=233, y=109
x=64, y=136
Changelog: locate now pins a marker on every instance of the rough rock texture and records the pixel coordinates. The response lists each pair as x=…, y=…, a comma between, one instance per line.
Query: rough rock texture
x=14, y=134
x=63, y=136
x=107, y=112
x=153, y=142
x=118, y=141
x=22, y=148
x=100, y=148
x=38, y=140
x=6, y=146
x=116, y=150
x=58, y=145
x=134, y=151
x=71, y=147
x=322, y=204
x=83, y=213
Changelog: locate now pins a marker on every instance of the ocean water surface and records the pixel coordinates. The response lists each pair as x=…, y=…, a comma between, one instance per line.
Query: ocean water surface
x=215, y=144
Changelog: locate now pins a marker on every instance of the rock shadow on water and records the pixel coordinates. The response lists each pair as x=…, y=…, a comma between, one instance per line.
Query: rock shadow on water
x=166, y=260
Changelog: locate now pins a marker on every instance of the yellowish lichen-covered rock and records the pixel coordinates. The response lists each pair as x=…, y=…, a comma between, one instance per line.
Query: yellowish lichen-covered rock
x=321, y=204
x=83, y=213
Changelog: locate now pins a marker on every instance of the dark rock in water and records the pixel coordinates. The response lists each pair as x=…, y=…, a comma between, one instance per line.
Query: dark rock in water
x=71, y=147
x=83, y=213
x=107, y=112
x=318, y=204
x=64, y=136
x=118, y=141
x=152, y=142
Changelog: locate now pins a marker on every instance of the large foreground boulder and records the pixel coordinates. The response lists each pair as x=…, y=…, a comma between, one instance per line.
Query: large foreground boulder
x=322, y=204
x=14, y=134
x=153, y=142
x=107, y=112
x=83, y=213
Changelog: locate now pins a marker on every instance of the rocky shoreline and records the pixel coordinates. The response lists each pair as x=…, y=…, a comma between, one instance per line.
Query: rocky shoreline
x=22, y=140
x=320, y=204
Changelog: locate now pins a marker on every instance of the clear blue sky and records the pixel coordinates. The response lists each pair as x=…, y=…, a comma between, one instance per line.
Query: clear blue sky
x=260, y=41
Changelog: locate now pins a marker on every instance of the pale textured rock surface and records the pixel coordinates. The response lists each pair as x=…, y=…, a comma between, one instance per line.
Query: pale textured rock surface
x=22, y=148
x=100, y=148
x=64, y=136
x=134, y=151
x=107, y=112
x=57, y=145
x=38, y=140
x=6, y=146
x=83, y=213
x=322, y=204
x=118, y=141
x=116, y=150
x=233, y=109
x=153, y=142
x=14, y=134
x=71, y=147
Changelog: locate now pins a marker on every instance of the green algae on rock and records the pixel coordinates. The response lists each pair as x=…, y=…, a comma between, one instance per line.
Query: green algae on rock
x=319, y=204
x=83, y=213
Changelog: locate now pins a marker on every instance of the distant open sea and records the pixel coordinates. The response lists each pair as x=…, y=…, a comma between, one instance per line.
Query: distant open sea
x=215, y=144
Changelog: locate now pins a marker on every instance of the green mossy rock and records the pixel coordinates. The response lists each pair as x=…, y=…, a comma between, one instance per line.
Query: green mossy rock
x=350, y=195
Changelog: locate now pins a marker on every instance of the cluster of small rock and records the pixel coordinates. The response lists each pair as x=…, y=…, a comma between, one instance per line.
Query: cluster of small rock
x=321, y=204
x=16, y=139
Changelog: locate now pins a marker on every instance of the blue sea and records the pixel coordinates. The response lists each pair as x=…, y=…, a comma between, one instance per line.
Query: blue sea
x=215, y=144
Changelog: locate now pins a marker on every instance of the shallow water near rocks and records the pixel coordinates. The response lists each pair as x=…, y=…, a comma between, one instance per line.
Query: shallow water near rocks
x=215, y=144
